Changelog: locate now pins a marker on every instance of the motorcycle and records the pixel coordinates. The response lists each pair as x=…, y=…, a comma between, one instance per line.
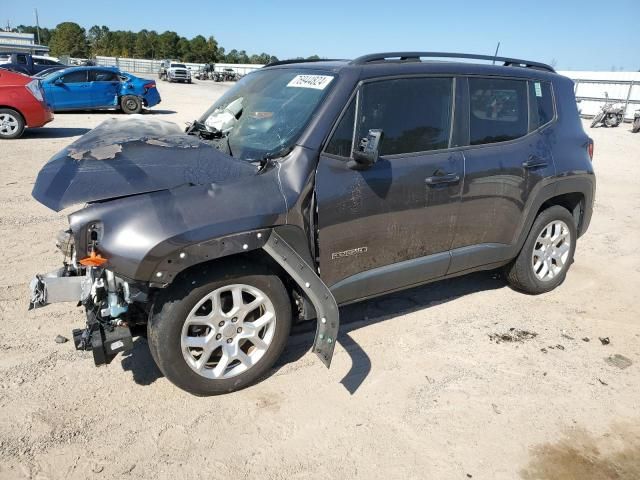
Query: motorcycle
x=610, y=114
x=636, y=122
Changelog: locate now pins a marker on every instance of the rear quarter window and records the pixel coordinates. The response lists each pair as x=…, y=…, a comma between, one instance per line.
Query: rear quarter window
x=542, y=103
x=498, y=110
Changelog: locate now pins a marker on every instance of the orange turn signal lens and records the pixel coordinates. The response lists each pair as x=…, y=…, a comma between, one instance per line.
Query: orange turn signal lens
x=93, y=260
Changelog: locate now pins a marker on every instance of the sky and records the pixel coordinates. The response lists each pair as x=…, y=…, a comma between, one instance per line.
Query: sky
x=573, y=34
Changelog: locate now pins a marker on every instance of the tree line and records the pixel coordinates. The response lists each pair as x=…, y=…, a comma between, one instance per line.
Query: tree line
x=69, y=38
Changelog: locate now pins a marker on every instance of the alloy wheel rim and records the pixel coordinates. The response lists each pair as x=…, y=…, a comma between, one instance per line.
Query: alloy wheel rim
x=228, y=331
x=131, y=104
x=8, y=124
x=551, y=251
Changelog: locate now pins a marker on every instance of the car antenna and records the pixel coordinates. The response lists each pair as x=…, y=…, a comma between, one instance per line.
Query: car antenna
x=496, y=54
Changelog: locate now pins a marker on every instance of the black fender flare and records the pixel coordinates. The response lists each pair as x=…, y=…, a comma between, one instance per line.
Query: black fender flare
x=583, y=184
x=293, y=263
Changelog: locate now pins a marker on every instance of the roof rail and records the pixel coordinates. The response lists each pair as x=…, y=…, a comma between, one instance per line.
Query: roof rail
x=300, y=60
x=415, y=56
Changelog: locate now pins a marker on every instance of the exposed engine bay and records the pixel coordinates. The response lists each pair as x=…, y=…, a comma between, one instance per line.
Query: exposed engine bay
x=114, y=307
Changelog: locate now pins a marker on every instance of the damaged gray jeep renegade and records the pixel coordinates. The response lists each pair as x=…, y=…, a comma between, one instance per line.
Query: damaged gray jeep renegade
x=307, y=186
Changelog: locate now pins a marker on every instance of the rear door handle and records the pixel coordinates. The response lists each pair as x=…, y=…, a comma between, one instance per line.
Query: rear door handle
x=440, y=179
x=535, y=162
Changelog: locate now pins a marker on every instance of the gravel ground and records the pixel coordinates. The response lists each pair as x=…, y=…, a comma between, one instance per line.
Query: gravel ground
x=420, y=387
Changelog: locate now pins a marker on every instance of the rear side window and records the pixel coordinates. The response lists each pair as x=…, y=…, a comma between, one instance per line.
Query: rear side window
x=103, y=76
x=542, y=108
x=78, y=76
x=498, y=110
x=413, y=113
x=21, y=59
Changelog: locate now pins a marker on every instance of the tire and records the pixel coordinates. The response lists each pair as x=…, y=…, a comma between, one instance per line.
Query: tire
x=130, y=104
x=636, y=125
x=524, y=273
x=11, y=124
x=175, y=328
x=612, y=120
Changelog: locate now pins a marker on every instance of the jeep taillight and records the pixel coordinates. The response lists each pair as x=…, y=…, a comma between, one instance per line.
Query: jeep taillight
x=590, y=149
x=34, y=88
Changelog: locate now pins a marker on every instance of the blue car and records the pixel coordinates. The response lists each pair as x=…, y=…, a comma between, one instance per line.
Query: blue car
x=80, y=88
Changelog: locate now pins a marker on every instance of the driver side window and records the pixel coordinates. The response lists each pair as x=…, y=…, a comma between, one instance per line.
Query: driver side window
x=414, y=114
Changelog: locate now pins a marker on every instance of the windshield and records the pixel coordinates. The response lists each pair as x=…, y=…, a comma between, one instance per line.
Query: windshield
x=177, y=65
x=265, y=112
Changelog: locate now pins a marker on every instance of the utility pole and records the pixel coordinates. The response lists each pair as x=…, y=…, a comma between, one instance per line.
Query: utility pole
x=496, y=54
x=37, y=25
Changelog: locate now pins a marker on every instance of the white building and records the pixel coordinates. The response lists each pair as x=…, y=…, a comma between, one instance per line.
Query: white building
x=591, y=88
x=21, y=43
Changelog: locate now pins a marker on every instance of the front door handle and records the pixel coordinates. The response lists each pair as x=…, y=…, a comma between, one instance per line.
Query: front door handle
x=535, y=162
x=444, y=178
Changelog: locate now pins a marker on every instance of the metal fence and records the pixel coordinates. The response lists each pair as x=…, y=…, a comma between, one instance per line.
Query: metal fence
x=590, y=95
x=138, y=65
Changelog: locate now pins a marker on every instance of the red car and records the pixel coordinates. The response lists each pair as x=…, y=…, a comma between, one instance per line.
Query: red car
x=22, y=104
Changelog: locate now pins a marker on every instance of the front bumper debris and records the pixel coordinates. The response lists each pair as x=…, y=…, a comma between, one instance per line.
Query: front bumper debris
x=104, y=341
x=55, y=287
x=104, y=334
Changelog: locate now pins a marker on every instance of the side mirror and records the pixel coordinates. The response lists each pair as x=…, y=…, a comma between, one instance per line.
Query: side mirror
x=58, y=81
x=367, y=151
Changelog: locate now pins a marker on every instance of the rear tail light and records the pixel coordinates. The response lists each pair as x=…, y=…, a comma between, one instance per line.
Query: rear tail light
x=150, y=85
x=590, y=149
x=35, y=89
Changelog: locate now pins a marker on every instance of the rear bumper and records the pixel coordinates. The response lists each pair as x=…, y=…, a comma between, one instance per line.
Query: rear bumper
x=38, y=117
x=152, y=98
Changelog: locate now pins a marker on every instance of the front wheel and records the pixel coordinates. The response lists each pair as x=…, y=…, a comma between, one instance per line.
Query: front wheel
x=546, y=255
x=220, y=330
x=130, y=104
x=11, y=124
x=597, y=119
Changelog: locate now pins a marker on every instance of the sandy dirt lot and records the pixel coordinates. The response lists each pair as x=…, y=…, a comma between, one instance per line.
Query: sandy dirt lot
x=417, y=389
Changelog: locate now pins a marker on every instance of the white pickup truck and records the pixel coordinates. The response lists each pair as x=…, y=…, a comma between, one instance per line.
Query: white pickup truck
x=174, y=72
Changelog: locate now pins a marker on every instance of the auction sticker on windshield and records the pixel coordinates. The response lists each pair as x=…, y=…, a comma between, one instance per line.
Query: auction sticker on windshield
x=319, y=82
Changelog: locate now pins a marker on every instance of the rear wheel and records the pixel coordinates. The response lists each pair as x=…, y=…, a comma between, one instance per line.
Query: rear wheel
x=612, y=120
x=130, y=104
x=636, y=125
x=547, y=253
x=214, y=332
x=11, y=124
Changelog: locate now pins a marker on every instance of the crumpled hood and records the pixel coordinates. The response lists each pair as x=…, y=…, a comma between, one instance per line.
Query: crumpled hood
x=127, y=157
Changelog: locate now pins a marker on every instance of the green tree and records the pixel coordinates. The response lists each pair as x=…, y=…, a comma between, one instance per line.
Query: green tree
x=183, y=50
x=45, y=33
x=197, y=50
x=168, y=45
x=143, y=46
x=69, y=39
